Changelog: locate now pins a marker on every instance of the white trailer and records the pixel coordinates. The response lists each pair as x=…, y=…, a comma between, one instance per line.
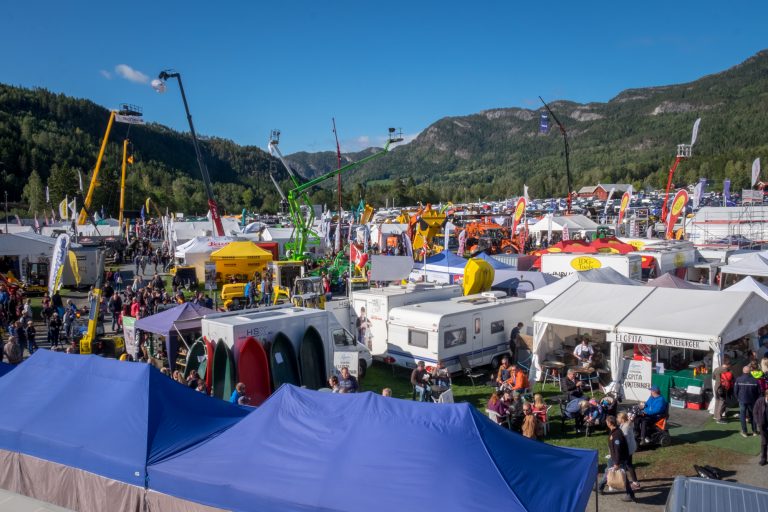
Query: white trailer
x=378, y=302
x=475, y=326
x=562, y=264
x=293, y=322
x=668, y=256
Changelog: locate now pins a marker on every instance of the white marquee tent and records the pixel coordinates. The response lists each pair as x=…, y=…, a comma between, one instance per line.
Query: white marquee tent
x=605, y=275
x=751, y=265
x=695, y=319
x=748, y=284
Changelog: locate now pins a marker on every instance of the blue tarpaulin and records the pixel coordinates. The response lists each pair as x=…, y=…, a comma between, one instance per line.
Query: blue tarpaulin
x=104, y=416
x=305, y=450
x=496, y=264
x=5, y=368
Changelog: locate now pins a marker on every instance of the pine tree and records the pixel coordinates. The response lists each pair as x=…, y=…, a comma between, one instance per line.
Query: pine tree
x=62, y=182
x=34, y=194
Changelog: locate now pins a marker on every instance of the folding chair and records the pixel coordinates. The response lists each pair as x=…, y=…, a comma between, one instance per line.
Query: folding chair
x=467, y=369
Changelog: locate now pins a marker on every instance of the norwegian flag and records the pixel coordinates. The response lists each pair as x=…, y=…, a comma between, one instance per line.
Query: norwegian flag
x=358, y=257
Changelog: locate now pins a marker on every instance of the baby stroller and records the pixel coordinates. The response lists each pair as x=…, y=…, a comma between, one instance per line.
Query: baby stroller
x=598, y=411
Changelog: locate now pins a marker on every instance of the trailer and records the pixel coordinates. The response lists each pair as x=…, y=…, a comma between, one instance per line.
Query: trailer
x=87, y=265
x=371, y=308
x=237, y=326
x=669, y=256
x=563, y=264
x=475, y=326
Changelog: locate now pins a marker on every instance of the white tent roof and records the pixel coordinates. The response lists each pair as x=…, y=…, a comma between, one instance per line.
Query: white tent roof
x=751, y=265
x=604, y=275
x=203, y=245
x=697, y=315
x=593, y=305
x=271, y=234
x=574, y=222
x=748, y=284
x=26, y=244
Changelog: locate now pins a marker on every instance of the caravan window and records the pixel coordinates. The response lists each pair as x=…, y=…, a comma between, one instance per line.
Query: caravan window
x=341, y=338
x=477, y=325
x=497, y=326
x=417, y=338
x=455, y=337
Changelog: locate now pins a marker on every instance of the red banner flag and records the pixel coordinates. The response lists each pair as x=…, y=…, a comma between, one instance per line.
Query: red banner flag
x=625, y=199
x=519, y=211
x=358, y=257
x=678, y=207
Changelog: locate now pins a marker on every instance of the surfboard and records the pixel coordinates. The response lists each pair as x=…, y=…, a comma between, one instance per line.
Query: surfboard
x=194, y=356
x=253, y=370
x=208, y=373
x=223, y=371
x=282, y=362
x=312, y=360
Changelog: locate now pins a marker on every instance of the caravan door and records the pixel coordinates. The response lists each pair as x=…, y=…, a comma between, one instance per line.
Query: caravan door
x=476, y=330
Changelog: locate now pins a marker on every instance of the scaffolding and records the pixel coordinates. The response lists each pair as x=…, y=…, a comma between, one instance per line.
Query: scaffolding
x=727, y=227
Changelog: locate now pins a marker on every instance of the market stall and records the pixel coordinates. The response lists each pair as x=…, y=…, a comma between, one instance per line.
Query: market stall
x=241, y=259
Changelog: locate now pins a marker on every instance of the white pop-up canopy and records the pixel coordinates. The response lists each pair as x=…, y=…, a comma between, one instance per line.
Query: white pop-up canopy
x=752, y=265
x=198, y=250
x=748, y=284
x=605, y=275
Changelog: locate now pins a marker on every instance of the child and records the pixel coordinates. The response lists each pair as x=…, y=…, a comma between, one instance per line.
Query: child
x=540, y=408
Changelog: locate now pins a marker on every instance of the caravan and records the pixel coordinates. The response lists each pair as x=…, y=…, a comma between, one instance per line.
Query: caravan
x=235, y=327
x=371, y=309
x=475, y=326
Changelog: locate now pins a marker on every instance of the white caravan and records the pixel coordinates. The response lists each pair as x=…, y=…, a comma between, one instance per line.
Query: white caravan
x=563, y=264
x=378, y=302
x=293, y=322
x=475, y=326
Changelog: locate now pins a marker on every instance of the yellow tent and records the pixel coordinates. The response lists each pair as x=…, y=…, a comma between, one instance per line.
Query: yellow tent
x=240, y=259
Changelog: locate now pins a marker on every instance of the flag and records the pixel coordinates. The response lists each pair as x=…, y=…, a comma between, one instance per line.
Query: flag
x=755, y=171
x=525, y=194
x=625, y=199
x=18, y=220
x=698, y=191
x=678, y=207
x=726, y=192
x=142, y=214
x=566, y=233
x=73, y=207
x=695, y=132
x=462, y=242
x=45, y=218
x=519, y=211
x=37, y=223
x=80, y=179
x=47, y=195
x=544, y=123
x=74, y=267
x=358, y=257
x=53, y=216
x=610, y=196
x=63, y=211
x=147, y=204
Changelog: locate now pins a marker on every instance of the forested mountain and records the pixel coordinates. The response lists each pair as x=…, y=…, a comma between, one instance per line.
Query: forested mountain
x=46, y=138
x=630, y=139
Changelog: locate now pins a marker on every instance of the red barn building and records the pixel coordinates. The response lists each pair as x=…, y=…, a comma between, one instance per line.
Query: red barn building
x=601, y=190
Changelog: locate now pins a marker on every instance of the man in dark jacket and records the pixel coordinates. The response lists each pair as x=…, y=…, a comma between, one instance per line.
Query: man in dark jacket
x=747, y=391
x=760, y=411
x=619, y=451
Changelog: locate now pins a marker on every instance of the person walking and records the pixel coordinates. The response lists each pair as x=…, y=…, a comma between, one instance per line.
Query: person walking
x=628, y=429
x=747, y=392
x=619, y=455
x=722, y=384
x=760, y=410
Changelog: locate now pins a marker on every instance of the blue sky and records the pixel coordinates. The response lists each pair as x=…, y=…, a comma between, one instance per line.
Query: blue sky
x=250, y=66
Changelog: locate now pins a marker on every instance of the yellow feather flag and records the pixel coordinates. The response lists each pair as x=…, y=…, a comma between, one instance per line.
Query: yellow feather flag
x=147, y=207
x=75, y=268
x=63, y=210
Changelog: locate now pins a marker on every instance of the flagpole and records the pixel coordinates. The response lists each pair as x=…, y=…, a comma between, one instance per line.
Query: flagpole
x=6, y=212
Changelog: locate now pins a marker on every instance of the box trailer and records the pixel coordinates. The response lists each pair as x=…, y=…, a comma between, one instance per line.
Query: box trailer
x=370, y=325
x=562, y=264
x=235, y=327
x=475, y=326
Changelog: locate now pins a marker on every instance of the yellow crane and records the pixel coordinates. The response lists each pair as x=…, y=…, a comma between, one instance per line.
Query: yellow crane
x=129, y=114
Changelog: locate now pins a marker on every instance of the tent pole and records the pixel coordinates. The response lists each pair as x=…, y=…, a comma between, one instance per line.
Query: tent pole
x=181, y=336
x=597, y=496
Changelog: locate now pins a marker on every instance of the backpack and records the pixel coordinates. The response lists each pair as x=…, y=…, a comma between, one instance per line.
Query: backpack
x=726, y=380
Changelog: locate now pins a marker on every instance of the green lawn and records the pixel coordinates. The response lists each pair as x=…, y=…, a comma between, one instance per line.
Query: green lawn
x=716, y=445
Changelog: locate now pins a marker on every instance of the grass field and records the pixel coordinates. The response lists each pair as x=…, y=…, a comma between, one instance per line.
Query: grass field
x=716, y=445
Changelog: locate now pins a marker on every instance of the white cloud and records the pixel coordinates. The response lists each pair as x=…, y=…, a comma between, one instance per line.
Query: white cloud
x=106, y=74
x=366, y=141
x=130, y=74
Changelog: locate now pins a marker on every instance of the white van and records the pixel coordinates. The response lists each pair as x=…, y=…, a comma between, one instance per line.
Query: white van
x=378, y=302
x=291, y=321
x=475, y=326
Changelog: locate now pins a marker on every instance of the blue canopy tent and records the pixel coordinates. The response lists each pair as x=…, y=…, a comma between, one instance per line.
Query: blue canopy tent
x=443, y=267
x=5, y=368
x=496, y=264
x=171, y=322
x=305, y=450
x=91, y=425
